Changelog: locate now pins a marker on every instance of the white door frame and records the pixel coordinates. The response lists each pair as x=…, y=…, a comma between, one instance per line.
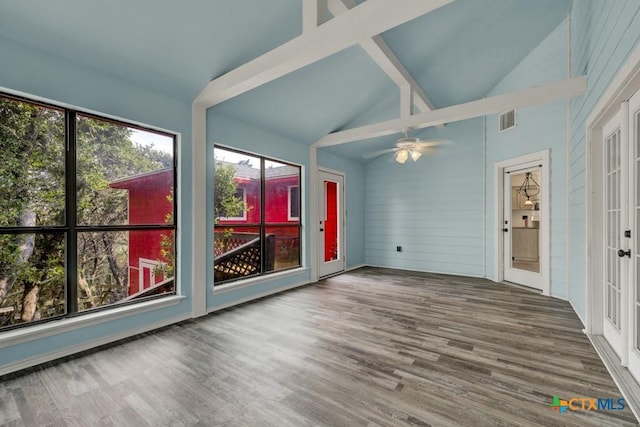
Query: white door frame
x=621, y=88
x=343, y=216
x=542, y=158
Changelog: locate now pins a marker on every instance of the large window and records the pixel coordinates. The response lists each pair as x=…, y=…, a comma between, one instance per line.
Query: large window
x=256, y=215
x=87, y=212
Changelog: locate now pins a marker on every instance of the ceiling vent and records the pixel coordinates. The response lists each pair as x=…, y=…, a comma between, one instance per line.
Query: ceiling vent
x=507, y=120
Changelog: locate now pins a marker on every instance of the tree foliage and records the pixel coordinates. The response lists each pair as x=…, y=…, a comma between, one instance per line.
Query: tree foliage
x=32, y=193
x=227, y=204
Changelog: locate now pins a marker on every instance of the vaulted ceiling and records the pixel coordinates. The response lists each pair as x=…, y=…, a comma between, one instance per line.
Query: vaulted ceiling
x=456, y=54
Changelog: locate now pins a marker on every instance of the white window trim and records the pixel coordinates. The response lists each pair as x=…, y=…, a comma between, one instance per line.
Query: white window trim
x=257, y=280
x=289, y=217
x=244, y=211
x=54, y=327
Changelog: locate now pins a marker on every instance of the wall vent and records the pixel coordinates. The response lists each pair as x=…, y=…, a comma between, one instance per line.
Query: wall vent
x=507, y=120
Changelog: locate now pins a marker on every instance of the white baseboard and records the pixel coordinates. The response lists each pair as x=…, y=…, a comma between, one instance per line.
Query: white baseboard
x=621, y=376
x=60, y=326
x=255, y=296
x=355, y=267
x=448, y=273
x=67, y=351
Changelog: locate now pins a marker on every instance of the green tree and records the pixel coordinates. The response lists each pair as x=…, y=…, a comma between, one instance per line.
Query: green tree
x=167, y=246
x=226, y=202
x=32, y=193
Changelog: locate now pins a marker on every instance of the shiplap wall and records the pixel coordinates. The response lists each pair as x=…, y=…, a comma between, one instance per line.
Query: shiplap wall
x=433, y=208
x=604, y=33
x=538, y=128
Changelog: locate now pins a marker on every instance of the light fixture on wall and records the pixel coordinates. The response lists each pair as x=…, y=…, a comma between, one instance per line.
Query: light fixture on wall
x=529, y=188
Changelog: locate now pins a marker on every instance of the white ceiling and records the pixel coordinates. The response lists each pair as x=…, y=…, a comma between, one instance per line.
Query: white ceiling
x=456, y=54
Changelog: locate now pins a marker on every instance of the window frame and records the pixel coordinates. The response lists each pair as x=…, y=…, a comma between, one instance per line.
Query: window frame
x=290, y=205
x=263, y=224
x=71, y=228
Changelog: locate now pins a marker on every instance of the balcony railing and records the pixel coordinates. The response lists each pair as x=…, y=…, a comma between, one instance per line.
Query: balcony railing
x=238, y=255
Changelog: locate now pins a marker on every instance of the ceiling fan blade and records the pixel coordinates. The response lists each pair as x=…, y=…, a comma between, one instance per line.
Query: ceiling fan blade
x=432, y=143
x=374, y=154
x=426, y=151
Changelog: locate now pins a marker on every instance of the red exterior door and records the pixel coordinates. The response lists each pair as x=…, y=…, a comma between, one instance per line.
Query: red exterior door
x=331, y=251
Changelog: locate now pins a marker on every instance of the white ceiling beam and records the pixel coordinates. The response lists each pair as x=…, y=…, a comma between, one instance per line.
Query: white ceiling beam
x=382, y=54
x=314, y=14
x=363, y=21
x=406, y=101
x=563, y=89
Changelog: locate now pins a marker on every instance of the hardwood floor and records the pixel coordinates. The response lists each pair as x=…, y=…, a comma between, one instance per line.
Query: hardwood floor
x=371, y=347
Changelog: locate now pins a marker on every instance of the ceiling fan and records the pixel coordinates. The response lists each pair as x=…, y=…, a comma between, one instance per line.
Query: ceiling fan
x=409, y=147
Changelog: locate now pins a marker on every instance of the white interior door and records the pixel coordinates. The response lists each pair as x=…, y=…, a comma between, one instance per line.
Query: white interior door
x=634, y=235
x=523, y=188
x=613, y=230
x=331, y=256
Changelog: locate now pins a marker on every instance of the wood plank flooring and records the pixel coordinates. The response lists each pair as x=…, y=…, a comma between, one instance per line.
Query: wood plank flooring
x=371, y=347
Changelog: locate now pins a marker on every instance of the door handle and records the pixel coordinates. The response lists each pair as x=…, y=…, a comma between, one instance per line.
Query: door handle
x=623, y=253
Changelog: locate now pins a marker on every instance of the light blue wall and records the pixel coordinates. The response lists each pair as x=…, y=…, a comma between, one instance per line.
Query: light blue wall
x=604, y=34
x=433, y=208
x=354, y=176
x=538, y=128
x=40, y=74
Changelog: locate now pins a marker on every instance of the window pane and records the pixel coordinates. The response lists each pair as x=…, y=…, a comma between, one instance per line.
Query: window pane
x=124, y=175
x=279, y=179
x=236, y=188
x=294, y=203
x=247, y=187
x=32, y=164
x=32, y=277
x=116, y=266
x=237, y=252
x=285, y=244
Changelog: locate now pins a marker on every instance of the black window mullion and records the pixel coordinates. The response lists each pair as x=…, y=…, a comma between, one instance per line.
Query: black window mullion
x=70, y=228
x=263, y=234
x=71, y=214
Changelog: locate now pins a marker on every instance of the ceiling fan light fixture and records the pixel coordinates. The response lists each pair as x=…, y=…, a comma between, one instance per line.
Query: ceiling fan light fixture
x=402, y=156
x=415, y=155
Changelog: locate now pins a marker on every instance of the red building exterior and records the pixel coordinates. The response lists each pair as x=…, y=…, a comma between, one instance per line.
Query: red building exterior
x=281, y=195
x=281, y=211
x=149, y=203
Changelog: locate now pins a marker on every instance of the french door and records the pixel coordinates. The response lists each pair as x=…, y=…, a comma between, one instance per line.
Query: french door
x=331, y=257
x=614, y=206
x=621, y=219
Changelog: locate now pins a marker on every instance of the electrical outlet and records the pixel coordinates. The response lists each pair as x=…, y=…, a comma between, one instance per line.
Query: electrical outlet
x=398, y=248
